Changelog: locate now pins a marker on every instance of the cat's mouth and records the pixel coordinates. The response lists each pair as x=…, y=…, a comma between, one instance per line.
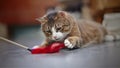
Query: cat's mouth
x=58, y=39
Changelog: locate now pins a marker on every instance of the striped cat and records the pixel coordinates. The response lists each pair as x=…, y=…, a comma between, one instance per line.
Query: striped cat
x=61, y=26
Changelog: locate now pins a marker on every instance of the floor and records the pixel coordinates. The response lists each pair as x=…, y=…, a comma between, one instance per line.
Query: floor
x=104, y=55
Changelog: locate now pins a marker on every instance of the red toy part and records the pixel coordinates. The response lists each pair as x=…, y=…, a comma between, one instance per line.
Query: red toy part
x=52, y=48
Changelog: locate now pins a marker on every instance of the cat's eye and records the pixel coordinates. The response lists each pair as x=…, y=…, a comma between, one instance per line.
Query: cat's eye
x=59, y=28
x=48, y=31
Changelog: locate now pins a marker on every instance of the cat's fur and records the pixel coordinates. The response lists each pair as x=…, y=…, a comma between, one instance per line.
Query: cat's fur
x=61, y=26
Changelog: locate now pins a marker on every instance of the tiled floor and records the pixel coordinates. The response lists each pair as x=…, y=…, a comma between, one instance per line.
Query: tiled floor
x=104, y=55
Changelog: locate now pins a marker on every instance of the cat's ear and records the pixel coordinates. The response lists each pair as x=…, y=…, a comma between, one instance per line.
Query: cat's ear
x=42, y=20
x=62, y=13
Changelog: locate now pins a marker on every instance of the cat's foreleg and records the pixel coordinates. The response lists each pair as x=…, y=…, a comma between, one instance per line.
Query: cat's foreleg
x=72, y=42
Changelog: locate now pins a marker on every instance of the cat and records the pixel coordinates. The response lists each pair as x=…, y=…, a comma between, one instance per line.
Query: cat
x=63, y=27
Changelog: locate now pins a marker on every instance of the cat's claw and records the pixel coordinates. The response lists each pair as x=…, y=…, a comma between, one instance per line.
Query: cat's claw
x=68, y=44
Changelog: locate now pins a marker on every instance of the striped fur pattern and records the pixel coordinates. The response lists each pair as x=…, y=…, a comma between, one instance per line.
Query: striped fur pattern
x=61, y=26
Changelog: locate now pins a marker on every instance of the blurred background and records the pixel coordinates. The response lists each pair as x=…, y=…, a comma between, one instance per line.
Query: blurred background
x=20, y=15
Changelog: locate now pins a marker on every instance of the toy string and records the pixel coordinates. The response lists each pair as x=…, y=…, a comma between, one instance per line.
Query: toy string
x=20, y=45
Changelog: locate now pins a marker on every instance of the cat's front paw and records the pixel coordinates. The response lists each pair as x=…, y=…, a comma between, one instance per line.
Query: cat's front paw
x=35, y=47
x=68, y=44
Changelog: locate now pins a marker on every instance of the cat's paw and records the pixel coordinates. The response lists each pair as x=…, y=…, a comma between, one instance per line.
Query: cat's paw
x=109, y=38
x=35, y=47
x=68, y=44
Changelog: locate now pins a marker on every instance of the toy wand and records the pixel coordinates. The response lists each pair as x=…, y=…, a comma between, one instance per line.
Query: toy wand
x=52, y=48
x=17, y=44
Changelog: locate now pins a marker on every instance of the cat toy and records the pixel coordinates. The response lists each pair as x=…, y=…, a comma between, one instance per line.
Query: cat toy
x=51, y=48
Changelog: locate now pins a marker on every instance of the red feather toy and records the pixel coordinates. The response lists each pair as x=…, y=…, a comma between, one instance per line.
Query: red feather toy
x=52, y=48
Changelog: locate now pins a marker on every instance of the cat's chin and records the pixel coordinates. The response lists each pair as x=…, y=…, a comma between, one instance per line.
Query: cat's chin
x=58, y=40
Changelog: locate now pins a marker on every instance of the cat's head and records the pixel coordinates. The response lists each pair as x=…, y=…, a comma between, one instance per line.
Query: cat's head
x=56, y=25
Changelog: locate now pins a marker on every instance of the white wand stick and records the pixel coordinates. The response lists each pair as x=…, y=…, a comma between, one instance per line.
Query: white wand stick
x=22, y=46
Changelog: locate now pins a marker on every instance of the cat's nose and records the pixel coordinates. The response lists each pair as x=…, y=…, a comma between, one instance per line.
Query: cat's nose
x=55, y=37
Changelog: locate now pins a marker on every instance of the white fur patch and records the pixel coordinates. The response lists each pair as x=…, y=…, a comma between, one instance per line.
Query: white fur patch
x=34, y=47
x=68, y=44
x=109, y=38
x=58, y=35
